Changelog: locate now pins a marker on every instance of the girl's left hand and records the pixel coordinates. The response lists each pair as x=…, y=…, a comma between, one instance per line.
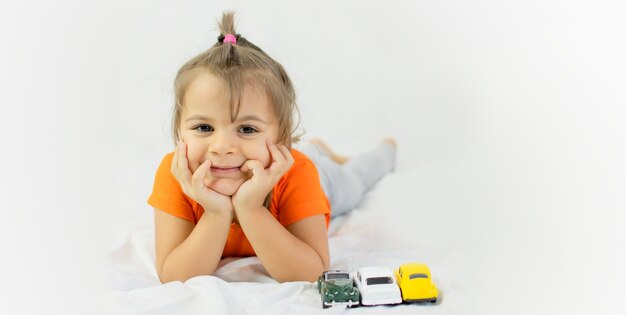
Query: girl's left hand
x=252, y=193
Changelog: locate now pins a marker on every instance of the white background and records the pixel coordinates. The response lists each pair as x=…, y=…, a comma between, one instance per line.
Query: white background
x=515, y=111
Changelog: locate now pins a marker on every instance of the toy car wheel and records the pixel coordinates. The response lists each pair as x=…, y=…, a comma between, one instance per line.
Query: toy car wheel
x=433, y=301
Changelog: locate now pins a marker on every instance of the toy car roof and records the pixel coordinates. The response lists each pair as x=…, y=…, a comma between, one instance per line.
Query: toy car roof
x=411, y=268
x=369, y=272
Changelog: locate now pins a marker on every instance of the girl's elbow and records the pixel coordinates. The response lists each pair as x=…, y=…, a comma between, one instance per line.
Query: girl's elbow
x=165, y=278
x=308, y=277
x=164, y=274
x=170, y=276
x=325, y=264
x=314, y=276
x=308, y=274
x=315, y=273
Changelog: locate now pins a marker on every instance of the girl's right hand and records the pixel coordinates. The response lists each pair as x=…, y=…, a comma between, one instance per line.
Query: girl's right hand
x=193, y=184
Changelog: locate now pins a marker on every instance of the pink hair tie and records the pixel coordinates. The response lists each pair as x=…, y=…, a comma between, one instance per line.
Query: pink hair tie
x=230, y=38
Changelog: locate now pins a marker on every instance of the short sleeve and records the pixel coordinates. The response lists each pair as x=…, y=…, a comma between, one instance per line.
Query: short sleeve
x=167, y=195
x=299, y=193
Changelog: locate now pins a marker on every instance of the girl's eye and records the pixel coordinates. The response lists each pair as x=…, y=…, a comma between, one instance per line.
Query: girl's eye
x=204, y=128
x=247, y=130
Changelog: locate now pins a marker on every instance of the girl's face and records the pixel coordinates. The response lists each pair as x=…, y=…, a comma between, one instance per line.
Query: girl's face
x=207, y=130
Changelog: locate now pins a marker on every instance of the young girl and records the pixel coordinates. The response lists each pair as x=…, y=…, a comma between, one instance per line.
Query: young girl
x=234, y=186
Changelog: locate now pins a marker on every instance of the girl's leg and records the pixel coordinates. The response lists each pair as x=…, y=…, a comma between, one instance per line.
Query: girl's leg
x=325, y=149
x=346, y=184
x=373, y=165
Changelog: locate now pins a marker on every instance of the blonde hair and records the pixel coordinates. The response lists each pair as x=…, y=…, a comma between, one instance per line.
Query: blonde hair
x=239, y=65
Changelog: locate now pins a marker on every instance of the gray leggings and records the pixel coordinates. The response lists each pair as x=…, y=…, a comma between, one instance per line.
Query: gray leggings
x=346, y=184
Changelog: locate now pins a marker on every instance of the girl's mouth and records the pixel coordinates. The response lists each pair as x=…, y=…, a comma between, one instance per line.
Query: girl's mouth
x=224, y=170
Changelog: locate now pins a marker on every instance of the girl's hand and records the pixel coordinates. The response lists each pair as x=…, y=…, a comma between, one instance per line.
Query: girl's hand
x=193, y=184
x=252, y=193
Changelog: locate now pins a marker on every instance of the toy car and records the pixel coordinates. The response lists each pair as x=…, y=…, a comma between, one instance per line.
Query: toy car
x=377, y=286
x=415, y=283
x=337, y=288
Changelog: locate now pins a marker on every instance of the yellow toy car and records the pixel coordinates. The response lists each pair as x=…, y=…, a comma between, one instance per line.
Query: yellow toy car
x=415, y=283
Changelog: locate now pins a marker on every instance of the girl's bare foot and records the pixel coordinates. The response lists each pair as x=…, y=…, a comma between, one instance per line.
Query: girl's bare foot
x=334, y=156
x=391, y=141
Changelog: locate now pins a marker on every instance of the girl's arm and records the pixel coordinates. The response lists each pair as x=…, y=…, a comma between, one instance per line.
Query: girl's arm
x=184, y=251
x=298, y=252
x=294, y=253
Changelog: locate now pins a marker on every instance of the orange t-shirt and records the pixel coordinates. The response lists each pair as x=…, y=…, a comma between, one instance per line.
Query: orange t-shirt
x=296, y=196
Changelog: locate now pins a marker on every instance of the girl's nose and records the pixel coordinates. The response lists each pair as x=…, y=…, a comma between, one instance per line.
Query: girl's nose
x=221, y=144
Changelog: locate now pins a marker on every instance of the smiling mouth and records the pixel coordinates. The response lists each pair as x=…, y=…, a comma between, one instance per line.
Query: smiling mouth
x=225, y=169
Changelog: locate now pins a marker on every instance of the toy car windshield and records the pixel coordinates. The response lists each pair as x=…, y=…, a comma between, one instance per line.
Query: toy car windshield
x=418, y=275
x=379, y=280
x=333, y=276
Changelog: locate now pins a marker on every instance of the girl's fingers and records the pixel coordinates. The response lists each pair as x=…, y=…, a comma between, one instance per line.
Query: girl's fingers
x=278, y=160
x=176, y=157
x=183, y=165
x=197, y=180
x=182, y=156
x=180, y=168
x=287, y=154
x=253, y=165
x=276, y=155
x=174, y=160
x=283, y=158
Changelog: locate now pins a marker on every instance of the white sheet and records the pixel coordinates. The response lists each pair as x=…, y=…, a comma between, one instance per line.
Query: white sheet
x=509, y=114
x=489, y=258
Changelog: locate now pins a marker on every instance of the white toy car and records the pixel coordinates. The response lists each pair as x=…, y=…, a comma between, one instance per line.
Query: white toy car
x=377, y=286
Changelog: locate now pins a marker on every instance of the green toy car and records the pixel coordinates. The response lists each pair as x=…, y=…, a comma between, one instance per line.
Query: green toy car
x=337, y=288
